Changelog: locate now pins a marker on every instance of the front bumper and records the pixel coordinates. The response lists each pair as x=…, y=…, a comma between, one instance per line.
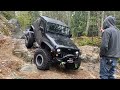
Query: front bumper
x=69, y=58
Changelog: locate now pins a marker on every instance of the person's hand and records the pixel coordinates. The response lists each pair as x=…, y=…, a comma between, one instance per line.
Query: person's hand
x=101, y=30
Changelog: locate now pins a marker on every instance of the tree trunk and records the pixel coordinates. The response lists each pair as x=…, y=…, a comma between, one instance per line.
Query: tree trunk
x=98, y=22
x=88, y=21
x=69, y=18
x=103, y=13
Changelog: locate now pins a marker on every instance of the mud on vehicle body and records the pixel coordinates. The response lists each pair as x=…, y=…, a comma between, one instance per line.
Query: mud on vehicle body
x=55, y=45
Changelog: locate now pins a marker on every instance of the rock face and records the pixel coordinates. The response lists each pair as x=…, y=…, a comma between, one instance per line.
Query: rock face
x=5, y=27
x=16, y=32
x=90, y=54
x=14, y=22
x=21, y=51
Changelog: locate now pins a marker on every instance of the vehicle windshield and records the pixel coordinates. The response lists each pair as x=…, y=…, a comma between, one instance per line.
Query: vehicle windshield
x=59, y=29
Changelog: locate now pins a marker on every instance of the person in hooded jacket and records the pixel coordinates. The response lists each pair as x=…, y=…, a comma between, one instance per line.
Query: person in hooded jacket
x=110, y=48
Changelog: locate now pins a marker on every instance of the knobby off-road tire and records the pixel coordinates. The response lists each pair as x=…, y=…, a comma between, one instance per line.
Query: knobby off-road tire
x=42, y=59
x=29, y=40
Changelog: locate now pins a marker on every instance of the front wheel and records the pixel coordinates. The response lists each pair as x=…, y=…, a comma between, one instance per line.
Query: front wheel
x=41, y=59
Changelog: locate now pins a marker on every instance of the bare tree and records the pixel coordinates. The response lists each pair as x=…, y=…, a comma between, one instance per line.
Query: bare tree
x=69, y=18
x=102, y=17
x=103, y=13
x=114, y=13
x=88, y=21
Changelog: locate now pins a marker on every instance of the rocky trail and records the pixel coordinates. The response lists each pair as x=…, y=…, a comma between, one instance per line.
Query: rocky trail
x=15, y=63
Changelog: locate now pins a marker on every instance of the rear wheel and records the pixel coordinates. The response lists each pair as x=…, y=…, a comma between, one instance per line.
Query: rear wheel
x=29, y=40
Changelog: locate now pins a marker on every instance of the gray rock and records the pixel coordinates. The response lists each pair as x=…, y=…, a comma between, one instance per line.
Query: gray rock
x=95, y=58
x=83, y=57
x=90, y=58
x=17, y=32
x=21, y=51
x=96, y=49
x=14, y=22
x=28, y=68
x=90, y=54
x=36, y=45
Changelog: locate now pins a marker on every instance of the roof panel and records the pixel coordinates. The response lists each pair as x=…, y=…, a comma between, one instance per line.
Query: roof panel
x=53, y=20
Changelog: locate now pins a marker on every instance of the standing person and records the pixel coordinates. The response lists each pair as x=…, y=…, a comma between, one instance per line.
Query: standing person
x=110, y=48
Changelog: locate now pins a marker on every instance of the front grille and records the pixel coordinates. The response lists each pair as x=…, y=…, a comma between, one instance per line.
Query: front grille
x=65, y=52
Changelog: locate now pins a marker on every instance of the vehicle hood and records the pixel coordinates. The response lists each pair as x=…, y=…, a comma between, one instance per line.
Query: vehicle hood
x=61, y=41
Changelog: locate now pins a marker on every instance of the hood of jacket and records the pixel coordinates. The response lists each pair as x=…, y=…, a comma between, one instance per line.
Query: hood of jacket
x=110, y=21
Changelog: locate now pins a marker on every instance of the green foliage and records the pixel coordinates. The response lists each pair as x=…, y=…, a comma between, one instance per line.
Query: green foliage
x=8, y=14
x=78, y=22
x=93, y=41
x=119, y=60
x=25, y=18
x=34, y=15
x=84, y=34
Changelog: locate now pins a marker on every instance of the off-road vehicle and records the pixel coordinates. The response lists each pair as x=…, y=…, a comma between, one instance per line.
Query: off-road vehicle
x=55, y=46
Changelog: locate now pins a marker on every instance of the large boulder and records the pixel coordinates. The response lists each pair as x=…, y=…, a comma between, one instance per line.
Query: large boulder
x=14, y=22
x=16, y=32
x=90, y=53
x=21, y=51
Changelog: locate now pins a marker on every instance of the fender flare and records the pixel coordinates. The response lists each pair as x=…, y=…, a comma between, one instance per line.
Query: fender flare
x=50, y=46
x=27, y=32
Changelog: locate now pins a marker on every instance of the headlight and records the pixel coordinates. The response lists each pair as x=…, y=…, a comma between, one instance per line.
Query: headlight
x=58, y=50
x=77, y=53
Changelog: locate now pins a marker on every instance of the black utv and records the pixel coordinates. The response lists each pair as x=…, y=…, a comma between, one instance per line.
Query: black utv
x=55, y=45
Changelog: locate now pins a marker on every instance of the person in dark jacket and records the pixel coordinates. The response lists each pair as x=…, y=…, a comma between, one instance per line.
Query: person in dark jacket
x=110, y=48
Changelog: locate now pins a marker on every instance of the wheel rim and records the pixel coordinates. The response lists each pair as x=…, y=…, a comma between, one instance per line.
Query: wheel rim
x=39, y=60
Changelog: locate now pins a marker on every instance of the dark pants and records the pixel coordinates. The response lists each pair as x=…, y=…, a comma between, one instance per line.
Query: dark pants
x=107, y=67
